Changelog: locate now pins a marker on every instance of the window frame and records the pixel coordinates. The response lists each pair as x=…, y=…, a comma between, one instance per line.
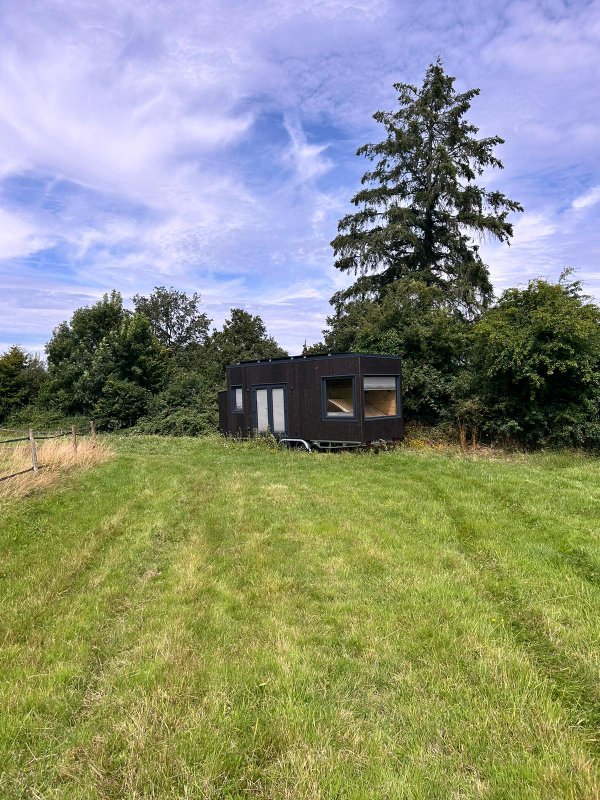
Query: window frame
x=398, y=398
x=269, y=387
x=234, y=406
x=347, y=417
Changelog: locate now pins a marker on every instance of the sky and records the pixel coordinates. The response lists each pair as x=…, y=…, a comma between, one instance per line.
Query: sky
x=212, y=146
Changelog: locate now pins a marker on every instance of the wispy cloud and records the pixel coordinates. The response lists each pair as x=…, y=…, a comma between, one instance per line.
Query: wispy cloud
x=307, y=160
x=19, y=237
x=587, y=199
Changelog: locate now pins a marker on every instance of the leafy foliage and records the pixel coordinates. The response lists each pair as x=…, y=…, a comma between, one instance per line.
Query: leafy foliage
x=186, y=407
x=105, y=363
x=317, y=349
x=131, y=353
x=420, y=203
x=244, y=337
x=121, y=404
x=73, y=385
x=175, y=318
x=21, y=378
x=156, y=368
x=42, y=417
x=527, y=370
x=536, y=365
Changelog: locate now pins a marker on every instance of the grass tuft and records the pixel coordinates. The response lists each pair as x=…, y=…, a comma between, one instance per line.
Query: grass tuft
x=55, y=458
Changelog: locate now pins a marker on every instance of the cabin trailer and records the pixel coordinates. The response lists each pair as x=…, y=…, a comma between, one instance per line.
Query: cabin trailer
x=333, y=401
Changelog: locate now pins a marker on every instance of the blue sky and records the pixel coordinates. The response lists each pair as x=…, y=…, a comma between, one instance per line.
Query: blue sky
x=211, y=145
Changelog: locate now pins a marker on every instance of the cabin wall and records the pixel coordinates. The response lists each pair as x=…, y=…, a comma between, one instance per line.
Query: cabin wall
x=303, y=379
x=223, y=420
x=382, y=427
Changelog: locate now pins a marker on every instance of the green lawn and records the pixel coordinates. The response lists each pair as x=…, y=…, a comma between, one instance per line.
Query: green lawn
x=192, y=620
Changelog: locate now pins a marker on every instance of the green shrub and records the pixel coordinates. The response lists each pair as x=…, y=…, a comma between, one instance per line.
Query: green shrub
x=121, y=404
x=188, y=421
x=43, y=418
x=186, y=407
x=535, y=372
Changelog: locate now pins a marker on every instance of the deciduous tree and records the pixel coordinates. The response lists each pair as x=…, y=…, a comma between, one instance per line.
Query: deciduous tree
x=73, y=386
x=175, y=317
x=105, y=362
x=21, y=377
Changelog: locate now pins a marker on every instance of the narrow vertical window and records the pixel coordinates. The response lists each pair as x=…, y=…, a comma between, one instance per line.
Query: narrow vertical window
x=381, y=396
x=238, y=398
x=278, y=409
x=262, y=409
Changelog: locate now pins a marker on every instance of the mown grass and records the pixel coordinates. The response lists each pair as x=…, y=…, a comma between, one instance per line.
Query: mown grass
x=202, y=621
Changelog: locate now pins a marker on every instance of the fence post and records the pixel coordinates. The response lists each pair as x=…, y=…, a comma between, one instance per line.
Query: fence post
x=33, y=450
x=93, y=432
x=74, y=438
x=462, y=431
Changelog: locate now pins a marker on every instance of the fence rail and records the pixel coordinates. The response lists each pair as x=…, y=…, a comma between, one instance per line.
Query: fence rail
x=14, y=474
x=33, y=438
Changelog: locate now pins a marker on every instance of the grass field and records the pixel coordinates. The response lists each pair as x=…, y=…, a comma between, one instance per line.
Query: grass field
x=190, y=620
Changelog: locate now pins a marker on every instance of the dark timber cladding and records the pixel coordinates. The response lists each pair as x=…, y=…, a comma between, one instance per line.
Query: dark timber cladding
x=293, y=398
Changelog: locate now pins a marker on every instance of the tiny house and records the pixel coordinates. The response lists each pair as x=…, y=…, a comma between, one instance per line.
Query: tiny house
x=339, y=400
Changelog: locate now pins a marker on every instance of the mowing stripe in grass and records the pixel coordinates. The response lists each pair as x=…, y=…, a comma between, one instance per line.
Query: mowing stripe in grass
x=572, y=684
x=582, y=563
x=110, y=632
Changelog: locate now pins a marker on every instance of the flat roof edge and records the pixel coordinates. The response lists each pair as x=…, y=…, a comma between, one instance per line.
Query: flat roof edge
x=314, y=358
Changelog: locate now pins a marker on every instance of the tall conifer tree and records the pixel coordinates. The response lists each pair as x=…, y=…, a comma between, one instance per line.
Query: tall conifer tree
x=421, y=210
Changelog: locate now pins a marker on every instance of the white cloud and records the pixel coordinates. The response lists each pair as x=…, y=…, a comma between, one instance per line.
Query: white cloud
x=19, y=237
x=529, y=229
x=306, y=159
x=589, y=198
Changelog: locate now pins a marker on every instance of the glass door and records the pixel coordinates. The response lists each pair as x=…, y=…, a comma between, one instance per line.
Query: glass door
x=261, y=401
x=270, y=411
x=278, y=409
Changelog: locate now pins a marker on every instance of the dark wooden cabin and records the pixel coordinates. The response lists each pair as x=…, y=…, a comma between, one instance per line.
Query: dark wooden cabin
x=337, y=400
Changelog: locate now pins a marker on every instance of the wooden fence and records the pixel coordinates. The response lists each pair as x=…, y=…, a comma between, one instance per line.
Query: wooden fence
x=33, y=438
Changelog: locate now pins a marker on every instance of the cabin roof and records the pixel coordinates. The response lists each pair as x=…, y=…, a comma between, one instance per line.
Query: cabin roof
x=315, y=357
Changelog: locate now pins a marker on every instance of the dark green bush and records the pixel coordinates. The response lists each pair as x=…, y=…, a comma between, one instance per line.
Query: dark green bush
x=535, y=367
x=43, y=418
x=186, y=407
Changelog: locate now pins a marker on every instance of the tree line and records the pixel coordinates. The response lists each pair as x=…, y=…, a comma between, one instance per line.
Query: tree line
x=157, y=367
x=523, y=367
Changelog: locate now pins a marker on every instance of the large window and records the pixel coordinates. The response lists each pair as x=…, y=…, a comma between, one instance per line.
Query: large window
x=381, y=396
x=339, y=397
x=237, y=398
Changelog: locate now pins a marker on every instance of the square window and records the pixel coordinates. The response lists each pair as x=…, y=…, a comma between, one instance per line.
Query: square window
x=339, y=397
x=381, y=398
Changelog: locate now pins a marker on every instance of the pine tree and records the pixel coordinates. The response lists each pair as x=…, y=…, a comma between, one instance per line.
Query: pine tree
x=421, y=205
